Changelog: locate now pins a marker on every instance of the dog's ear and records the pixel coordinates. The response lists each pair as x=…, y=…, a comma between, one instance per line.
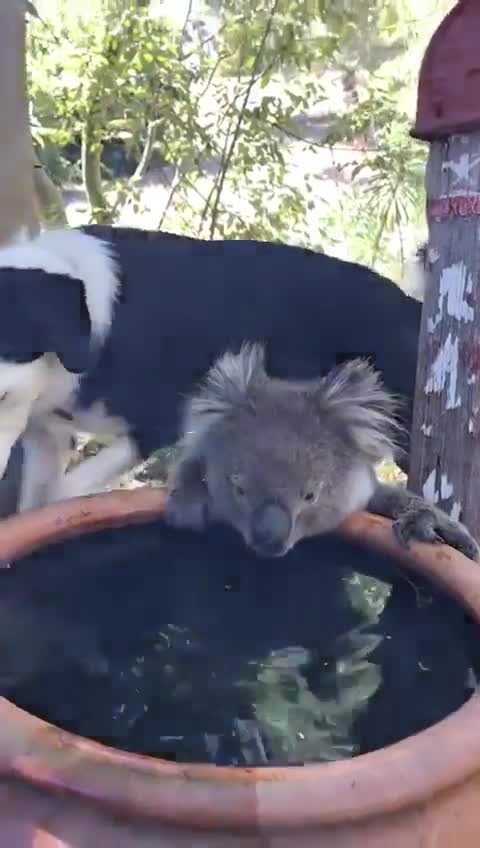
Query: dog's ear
x=44, y=313
x=57, y=307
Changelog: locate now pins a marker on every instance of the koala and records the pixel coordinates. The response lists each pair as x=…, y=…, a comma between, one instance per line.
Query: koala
x=280, y=460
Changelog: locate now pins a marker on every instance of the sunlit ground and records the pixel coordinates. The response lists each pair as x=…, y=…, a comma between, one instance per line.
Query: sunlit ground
x=391, y=473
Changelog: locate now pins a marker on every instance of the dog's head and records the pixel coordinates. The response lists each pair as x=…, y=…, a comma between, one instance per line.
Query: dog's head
x=56, y=300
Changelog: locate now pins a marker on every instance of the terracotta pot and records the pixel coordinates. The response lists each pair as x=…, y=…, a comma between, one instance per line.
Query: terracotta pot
x=60, y=790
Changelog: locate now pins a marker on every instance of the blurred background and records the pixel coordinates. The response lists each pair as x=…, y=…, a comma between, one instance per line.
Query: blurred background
x=285, y=120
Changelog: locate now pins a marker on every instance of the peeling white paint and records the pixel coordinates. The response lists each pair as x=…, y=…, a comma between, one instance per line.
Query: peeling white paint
x=462, y=168
x=455, y=282
x=443, y=368
x=469, y=286
x=471, y=425
x=433, y=255
x=428, y=491
x=426, y=430
x=446, y=488
x=472, y=379
x=456, y=511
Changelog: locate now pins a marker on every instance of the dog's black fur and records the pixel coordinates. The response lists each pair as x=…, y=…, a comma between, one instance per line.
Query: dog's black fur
x=185, y=301
x=45, y=313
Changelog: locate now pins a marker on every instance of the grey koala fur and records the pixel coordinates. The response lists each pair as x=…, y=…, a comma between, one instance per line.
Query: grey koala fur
x=280, y=460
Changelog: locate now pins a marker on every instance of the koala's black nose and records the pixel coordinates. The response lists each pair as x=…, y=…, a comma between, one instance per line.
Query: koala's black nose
x=271, y=528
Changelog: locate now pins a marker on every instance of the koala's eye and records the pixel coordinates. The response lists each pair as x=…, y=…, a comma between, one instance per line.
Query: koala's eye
x=311, y=496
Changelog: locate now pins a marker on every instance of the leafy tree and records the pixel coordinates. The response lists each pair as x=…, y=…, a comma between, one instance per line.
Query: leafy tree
x=117, y=74
x=119, y=71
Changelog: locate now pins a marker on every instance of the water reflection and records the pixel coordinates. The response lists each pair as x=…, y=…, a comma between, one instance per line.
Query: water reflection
x=310, y=661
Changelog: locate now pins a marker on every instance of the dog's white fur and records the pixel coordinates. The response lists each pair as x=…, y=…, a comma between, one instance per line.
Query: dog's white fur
x=29, y=392
x=415, y=273
x=76, y=255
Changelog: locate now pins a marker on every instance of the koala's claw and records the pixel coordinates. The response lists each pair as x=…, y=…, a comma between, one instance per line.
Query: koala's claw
x=424, y=524
x=187, y=509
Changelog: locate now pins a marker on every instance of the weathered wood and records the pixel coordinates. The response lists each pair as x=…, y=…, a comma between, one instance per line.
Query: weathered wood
x=17, y=196
x=445, y=452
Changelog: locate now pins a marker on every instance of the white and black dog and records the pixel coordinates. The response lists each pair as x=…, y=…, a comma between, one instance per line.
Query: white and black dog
x=108, y=334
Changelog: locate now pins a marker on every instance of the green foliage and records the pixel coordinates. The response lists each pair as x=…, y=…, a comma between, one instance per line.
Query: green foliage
x=307, y=34
x=122, y=68
x=386, y=195
x=114, y=69
x=111, y=76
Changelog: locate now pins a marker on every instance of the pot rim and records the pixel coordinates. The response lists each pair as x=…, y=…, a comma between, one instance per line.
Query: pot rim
x=407, y=773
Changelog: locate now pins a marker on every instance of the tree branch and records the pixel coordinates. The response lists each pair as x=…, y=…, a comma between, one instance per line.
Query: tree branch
x=241, y=114
x=91, y=172
x=49, y=197
x=147, y=153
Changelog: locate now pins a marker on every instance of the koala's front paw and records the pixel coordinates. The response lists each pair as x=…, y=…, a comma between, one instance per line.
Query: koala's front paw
x=423, y=523
x=187, y=508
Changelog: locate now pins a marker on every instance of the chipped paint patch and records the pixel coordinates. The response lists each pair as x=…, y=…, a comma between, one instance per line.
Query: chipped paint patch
x=433, y=255
x=444, y=369
x=429, y=492
x=426, y=430
x=461, y=168
x=472, y=379
x=456, y=511
x=455, y=284
x=473, y=425
x=446, y=488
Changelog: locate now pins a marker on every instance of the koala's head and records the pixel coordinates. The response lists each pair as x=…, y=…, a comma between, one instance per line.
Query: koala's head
x=281, y=459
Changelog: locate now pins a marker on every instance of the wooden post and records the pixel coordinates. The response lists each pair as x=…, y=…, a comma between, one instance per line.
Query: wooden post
x=445, y=452
x=445, y=445
x=17, y=195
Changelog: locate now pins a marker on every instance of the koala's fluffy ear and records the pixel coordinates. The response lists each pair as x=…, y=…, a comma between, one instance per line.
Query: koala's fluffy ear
x=227, y=388
x=44, y=313
x=354, y=396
